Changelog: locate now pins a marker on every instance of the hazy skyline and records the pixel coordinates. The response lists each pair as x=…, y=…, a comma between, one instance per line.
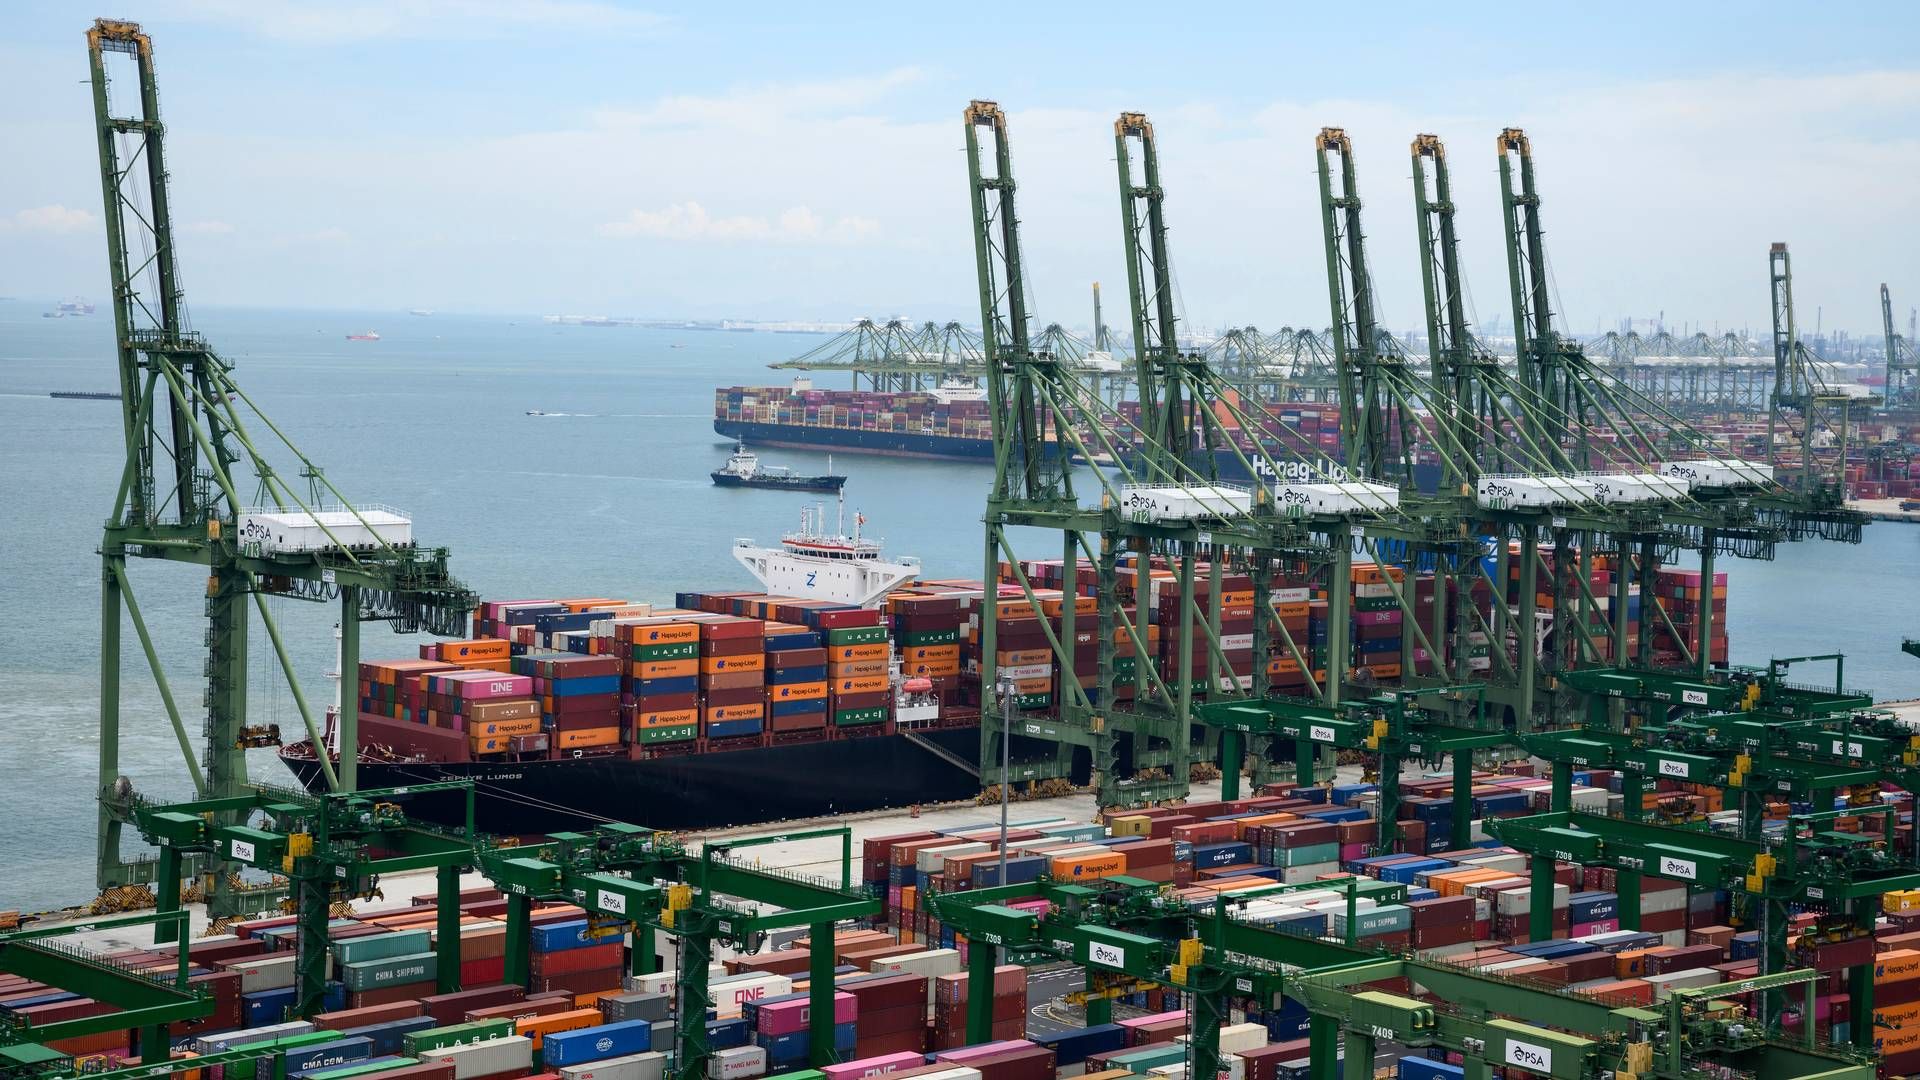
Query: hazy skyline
x=772, y=162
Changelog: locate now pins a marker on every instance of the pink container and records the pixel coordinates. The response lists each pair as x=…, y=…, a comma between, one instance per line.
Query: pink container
x=1376, y=618
x=873, y=1066
x=787, y=1017
x=485, y=685
x=1599, y=926
x=1349, y=852
x=970, y=1053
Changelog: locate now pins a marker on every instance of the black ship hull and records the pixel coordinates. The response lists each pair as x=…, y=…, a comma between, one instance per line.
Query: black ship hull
x=828, y=484
x=693, y=791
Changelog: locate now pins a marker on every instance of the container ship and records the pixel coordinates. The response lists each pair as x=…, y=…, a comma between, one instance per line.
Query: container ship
x=740, y=707
x=951, y=423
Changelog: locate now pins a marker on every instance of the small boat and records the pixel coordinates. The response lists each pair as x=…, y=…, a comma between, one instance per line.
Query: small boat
x=743, y=469
x=371, y=335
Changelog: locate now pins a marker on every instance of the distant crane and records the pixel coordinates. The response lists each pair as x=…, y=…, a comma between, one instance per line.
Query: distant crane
x=1903, y=367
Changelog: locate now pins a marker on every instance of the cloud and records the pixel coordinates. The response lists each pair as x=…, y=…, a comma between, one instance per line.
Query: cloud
x=337, y=22
x=208, y=228
x=763, y=106
x=691, y=221
x=53, y=218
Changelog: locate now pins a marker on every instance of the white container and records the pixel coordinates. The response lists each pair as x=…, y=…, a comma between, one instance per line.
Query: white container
x=485, y=1058
x=667, y=982
x=1183, y=503
x=651, y=1065
x=214, y=1044
x=737, y=1063
x=934, y=860
x=1510, y=492
x=1347, y=497
x=1664, y=985
x=1238, y=1037
x=296, y=531
x=927, y=965
x=1520, y=901
x=1294, y=875
x=271, y=971
x=729, y=995
x=1718, y=472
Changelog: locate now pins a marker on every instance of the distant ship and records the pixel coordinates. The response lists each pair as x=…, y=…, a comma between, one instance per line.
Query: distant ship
x=371, y=335
x=85, y=395
x=422, y=312
x=743, y=469
x=75, y=306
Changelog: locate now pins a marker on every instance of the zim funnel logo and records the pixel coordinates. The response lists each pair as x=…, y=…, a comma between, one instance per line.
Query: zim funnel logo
x=603, y=1044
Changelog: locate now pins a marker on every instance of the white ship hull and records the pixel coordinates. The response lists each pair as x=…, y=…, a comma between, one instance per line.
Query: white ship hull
x=860, y=582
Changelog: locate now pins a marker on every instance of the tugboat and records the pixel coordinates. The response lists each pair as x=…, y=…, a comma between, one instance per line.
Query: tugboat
x=743, y=469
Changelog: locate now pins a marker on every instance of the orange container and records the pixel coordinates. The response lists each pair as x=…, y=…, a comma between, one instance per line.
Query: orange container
x=488, y=728
x=663, y=669
x=865, y=684
x=573, y=740
x=669, y=718
x=717, y=665
x=915, y=654
x=876, y=651
x=1089, y=867
x=535, y=1027
x=734, y=712
x=807, y=691
x=660, y=633
x=847, y=669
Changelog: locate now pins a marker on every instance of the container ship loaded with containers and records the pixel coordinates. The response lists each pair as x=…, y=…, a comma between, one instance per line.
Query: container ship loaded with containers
x=743, y=707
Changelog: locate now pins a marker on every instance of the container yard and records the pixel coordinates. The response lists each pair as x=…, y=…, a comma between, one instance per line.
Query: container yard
x=1389, y=727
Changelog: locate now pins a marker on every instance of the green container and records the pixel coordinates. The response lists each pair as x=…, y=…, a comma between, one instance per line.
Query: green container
x=358, y=1068
x=415, y=1043
x=1375, y=603
x=1312, y=853
x=669, y=734
x=381, y=946
x=1141, y=1062
x=857, y=635
x=949, y=636
x=677, y=650
x=1032, y=701
x=390, y=971
x=247, y=1070
x=803, y=1074
x=854, y=717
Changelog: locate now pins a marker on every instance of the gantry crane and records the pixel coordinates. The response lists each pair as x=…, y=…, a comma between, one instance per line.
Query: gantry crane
x=186, y=433
x=1800, y=387
x=1902, y=390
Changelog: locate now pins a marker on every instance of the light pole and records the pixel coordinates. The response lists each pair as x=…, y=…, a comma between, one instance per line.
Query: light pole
x=1003, y=692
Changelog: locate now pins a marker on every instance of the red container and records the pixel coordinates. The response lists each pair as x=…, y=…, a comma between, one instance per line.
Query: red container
x=449, y=1008
x=571, y=961
x=343, y=1019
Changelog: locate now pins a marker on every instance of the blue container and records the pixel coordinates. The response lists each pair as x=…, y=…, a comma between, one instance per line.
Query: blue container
x=783, y=642
x=583, y=686
x=798, y=707
x=596, y=1043
x=1213, y=856
x=387, y=1038
x=1070, y=1047
x=1346, y=793
x=726, y=729
x=1336, y=814
x=1586, y=907
x=723, y=1034
x=1020, y=870
x=782, y=676
x=1419, y=1068
x=1403, y=872
x=682, y=684
x=1745, y=946
x=321, y=1055
x=334, y=997
x=263, y=1007
x=525, y=615
x=561, y=936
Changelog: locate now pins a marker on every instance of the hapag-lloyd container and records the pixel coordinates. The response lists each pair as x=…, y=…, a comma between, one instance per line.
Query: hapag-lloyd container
x=486, y=1058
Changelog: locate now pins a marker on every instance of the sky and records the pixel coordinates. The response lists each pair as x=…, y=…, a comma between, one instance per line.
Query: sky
x=806, y=161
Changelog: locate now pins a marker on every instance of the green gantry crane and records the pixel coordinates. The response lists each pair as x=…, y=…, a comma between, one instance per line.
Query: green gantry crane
x=179, y=499
x=1138, y=930
x=636, y=879
x=327, y=846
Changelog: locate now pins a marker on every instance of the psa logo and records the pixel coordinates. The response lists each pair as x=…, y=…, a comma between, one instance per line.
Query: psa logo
x=1497, y=495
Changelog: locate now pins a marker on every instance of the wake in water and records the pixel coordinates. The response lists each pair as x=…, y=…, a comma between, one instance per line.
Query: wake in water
x=621, y=416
